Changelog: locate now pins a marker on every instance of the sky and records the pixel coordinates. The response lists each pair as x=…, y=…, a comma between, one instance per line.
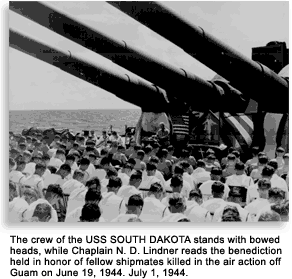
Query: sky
x=34, y=84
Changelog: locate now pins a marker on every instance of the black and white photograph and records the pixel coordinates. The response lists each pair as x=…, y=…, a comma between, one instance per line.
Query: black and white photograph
x=156, y=112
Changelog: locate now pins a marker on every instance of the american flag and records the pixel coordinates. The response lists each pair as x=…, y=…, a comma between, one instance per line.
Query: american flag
x=238, y=128
x=181, y=124
x=234, y=129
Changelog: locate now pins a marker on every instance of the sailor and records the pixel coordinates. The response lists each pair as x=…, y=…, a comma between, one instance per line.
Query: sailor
x=134, y=208
x=224, y=160
x=238, y=184
x=17, y=175
x=115, y=137
x=75, y=147
x=17, y=204
x=111, y=204
x=46, y=159
x=90, y=213
x=59, y=159
x=125, y=174
x=60, y=177
x=276, y=203
x=187, y=176
x=254, y=160
x=91, y=197
x=34, y=209
x=71, y=161
x=200, y=174
x=119, y=155
x=127, y=190
x=54, y=195
x=158, y=174
x=194, y=211
x=76, y=182
x=149, y=179
x=87, y=168
x=218, y=191
x=268, y=173
x=22, y=147
x=30, y=163
x=170, y=156
x=211, y=162
x=136, y=148
x=163, y=135
x=139, y=160
x=230, y=167
x=176, y=185
x=93, y=135
x=243, y=213
x=264, y=185
x=283, y=172
x=280, y=151
x=236, y=153
x=35, y=181
x=186, y=188
x=154, y=210
x=256, y=173
x=164, y=166
x=230, y=213
x=77, y=196
x=177, y=207
x=206, y=187
x=276, y=180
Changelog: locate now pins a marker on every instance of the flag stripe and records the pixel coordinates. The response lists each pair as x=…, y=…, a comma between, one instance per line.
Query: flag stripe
x=180, y=124
x=248, y=120
x=244, y=125
x=240, y=133
x=226, y=132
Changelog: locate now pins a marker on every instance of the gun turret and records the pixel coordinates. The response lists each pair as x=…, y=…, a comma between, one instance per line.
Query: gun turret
x=179, y=84
x=260, y=83
x=121, y=85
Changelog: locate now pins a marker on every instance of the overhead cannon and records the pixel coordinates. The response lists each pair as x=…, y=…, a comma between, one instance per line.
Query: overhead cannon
x=123, y=86
x=259, y=82
x=181, y=86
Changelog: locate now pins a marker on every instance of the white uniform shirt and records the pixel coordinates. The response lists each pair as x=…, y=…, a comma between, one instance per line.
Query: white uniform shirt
x=206, y=190
x=279, y=182
x=190, y=180
x=244, y=214
x=201, y=176
x=124, y=177
x=111, y=206
x=76, y=199
x=185, y=191
x=35, y=182
x=55, y=162
x=196, y=213
x=16, y=176
x=255, y=206
x=153, y=210
x=29, y=169
x=16, y=207
x=69, y=186
x=146, y=184
x=213, y=204
x=126, y=191
x=30, y=210
x=276, y=182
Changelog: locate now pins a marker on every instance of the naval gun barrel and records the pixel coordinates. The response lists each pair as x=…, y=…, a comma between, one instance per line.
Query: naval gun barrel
x=181, y=86
x=120, y=85
x=250, y=77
